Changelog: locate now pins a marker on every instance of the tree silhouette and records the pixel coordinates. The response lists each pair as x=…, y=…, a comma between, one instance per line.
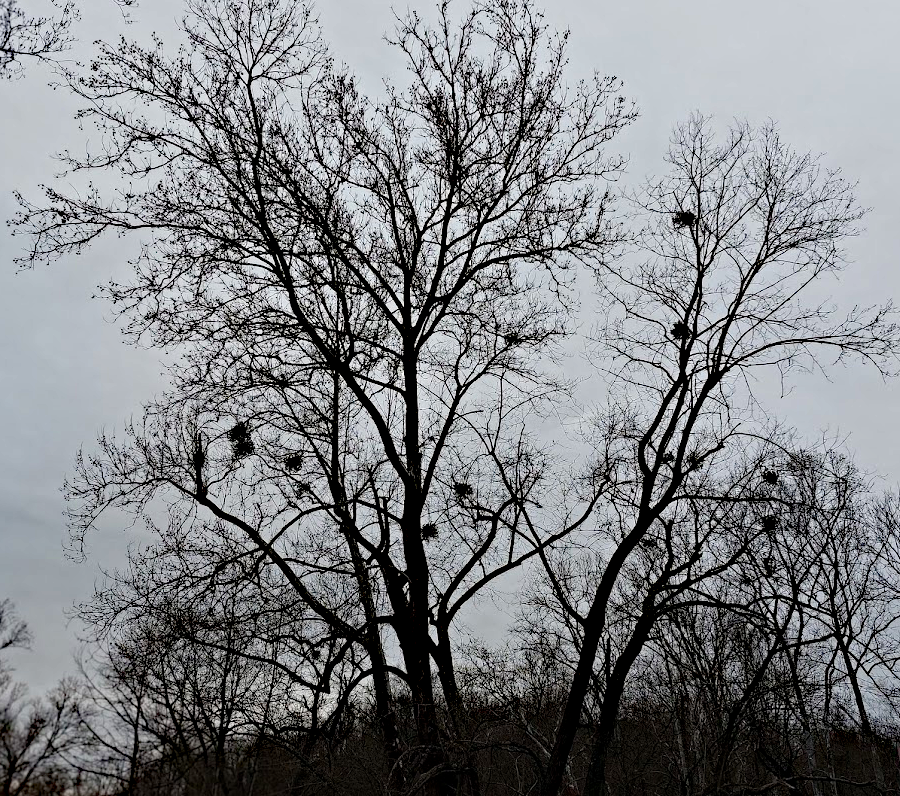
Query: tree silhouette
x=364, y=292
x=23, y=37
x=767, y=226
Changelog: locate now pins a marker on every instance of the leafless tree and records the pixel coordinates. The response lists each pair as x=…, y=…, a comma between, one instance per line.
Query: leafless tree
x=365, y=289
x=182, y=694
x=34, y=738
x=747, y=659
x=35, y=733
x=853, y=606
x=725, y=284
x=23, y=37
x=823, y=659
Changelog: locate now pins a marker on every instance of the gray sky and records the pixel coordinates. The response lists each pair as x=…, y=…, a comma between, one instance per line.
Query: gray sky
x=826, y=71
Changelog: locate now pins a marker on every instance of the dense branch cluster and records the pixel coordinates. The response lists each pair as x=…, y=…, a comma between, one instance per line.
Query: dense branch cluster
x=23, y=37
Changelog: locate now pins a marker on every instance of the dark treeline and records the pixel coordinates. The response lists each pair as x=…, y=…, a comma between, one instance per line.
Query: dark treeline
x=374, y=428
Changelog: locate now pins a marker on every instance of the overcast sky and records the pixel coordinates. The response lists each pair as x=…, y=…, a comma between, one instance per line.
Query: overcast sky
x=827, y=72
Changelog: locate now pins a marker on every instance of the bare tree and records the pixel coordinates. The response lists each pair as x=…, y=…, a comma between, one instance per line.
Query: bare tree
x=23, y=37
x=36, y=733
x=724, y=285
x=34, y=738
x=824, y=637
x=742, y=678
x=763, y=692
x=183, y=692
x=112, y=745
x=364, y=291
x=853, y=605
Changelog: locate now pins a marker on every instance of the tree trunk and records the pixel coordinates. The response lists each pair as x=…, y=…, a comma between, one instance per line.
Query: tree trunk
x=415, y=638
x=811, y=760
x=612, y=699
x=384, y=703
x=434, y=761
x=869, y=737
x=595, y=622
x=469, y=783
